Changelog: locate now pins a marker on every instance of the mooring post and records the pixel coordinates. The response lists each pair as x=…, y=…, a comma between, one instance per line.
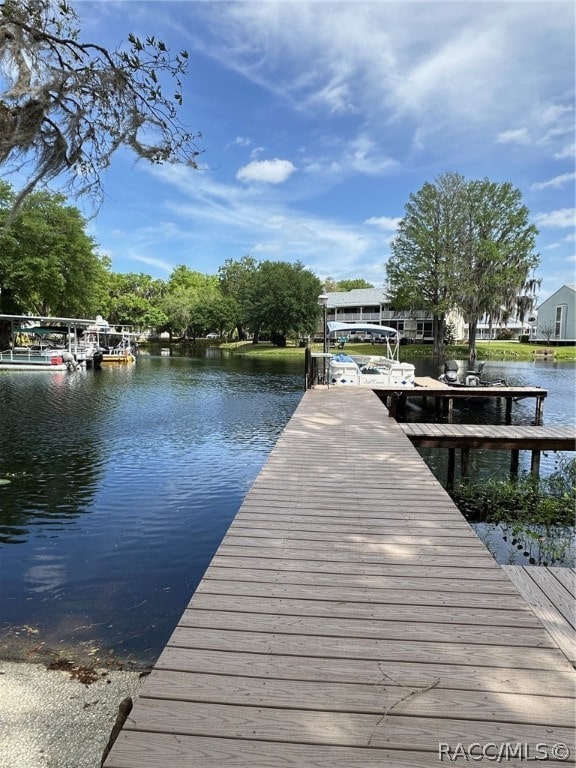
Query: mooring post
x=539, y=411
x=451, y=467
x=514, y=463
x=535, y=463
x=464, y=460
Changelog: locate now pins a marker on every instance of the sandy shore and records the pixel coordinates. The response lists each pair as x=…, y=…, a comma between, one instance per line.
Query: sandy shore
x=51, y=719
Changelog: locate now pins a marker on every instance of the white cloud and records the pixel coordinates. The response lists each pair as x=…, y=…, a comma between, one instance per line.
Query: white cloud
x=385, y=223
x=239, y=141
x=516, y=136
x=257, y=223
x=266, y=171
x=556, y=183
x=565, y=217
x=161, y=264
x=363, y=156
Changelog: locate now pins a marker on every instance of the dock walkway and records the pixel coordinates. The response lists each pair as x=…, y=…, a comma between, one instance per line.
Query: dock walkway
x=444, y=396
x=514, y=438
x=350, y=619
x=551, y=592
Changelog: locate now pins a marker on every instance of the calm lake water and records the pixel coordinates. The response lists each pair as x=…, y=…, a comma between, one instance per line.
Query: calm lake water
x=124, y=481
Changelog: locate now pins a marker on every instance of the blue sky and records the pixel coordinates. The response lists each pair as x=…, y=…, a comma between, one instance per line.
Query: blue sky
x=319, y=119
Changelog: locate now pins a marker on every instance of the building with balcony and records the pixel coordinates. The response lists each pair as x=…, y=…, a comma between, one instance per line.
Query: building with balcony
x=372, y=305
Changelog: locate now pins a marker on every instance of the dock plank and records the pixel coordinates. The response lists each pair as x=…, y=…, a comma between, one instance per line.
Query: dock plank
x=350, y=618
x=542, y=595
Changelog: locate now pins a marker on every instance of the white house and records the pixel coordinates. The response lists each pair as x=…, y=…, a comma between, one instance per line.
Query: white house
x=557, y=316
x=372, y=305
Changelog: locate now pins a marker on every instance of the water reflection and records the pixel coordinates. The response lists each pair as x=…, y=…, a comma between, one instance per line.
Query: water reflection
x=124, y=481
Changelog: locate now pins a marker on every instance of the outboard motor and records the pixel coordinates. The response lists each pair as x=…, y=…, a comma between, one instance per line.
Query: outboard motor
x=97, y=359
x=474, y=378
x=450, y=375
x=70, y=361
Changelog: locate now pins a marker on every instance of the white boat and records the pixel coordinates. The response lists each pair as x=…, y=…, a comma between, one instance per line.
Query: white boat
x=110, y=344
x=369, y=370
x=44, y=344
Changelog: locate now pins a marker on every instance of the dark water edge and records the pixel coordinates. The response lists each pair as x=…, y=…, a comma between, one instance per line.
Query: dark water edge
x=122, y=485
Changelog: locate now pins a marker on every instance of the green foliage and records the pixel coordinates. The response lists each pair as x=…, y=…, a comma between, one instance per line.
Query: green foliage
x=536, y=516
x=134, y=299
x=282, y=298
x=48, y=264
x=274, y=298
x=422, y=271
x=348, y=285
x=190, y=302
x=464, y=245
x=550, y=500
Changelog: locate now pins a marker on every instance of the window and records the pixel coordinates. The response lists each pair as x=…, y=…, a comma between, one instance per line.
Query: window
x=559, y=322
x=424, y=329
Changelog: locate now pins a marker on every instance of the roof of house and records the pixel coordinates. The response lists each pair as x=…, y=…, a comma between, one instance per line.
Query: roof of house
x=552, y=295
x=358, y=297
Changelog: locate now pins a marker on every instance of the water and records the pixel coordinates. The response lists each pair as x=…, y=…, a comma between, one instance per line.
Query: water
x=520, y=545
x=123, y=483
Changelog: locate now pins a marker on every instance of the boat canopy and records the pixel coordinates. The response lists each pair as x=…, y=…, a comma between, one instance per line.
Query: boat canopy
x=383, y=330
x=41, y=330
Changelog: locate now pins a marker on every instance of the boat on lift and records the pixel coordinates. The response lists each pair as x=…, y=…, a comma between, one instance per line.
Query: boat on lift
x=44, y=344
x=369, y=370
x=110, y=343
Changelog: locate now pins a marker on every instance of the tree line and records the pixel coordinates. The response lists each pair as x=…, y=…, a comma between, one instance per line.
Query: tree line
x=461, y=245
x=50, y=266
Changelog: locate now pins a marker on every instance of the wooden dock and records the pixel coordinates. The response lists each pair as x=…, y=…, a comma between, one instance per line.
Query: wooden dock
x=514, y=438
x=552, y=594
x=350, y=618
x=444, y=396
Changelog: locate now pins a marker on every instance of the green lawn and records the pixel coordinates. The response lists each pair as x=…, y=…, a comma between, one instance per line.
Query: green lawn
x=493, y=350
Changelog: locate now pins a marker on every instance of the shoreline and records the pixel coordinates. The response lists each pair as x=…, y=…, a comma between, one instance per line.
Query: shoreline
x=60, y=717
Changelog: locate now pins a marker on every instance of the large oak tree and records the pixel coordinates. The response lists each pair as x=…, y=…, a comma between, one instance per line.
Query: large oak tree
x=48, y=264
x=466, y=245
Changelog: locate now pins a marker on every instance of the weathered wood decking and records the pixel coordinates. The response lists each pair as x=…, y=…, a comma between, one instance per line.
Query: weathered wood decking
x=552, y=594
x=514, y=438
x=444, y=396
x=549, y=438
x=349, y=619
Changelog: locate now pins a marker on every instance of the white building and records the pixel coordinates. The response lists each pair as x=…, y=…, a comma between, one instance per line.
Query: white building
x=372, y=305
x=557, y=316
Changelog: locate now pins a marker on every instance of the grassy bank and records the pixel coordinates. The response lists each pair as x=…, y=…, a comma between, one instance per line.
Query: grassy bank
x=494, y=350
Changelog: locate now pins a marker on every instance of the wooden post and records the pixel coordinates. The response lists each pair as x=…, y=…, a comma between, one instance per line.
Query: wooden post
x=514, y=463
x=464, y=460
x=451, y=466
x=535, y=463
x=539, y=411
x=401, y=407
x=508, y=410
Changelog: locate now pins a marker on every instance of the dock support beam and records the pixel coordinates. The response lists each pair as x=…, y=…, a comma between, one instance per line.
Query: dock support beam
x=451, y=468
x=514, y=463
x=535, y=463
